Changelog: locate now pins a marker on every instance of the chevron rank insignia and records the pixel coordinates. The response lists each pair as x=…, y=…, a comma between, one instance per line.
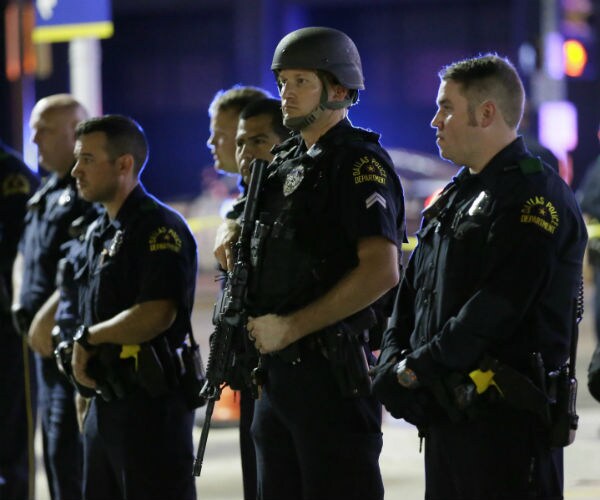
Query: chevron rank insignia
x=375, y=198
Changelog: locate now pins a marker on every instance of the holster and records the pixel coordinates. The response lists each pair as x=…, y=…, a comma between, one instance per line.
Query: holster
x=347, y=350
x=564, y=421
x=192, y=377
x=63, y=353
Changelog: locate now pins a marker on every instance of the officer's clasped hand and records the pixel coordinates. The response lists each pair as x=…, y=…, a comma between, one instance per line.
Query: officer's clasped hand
x=411, y=405
x=386, y=388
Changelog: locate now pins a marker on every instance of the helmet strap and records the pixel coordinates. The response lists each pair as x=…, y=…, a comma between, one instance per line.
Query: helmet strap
x=300, y=122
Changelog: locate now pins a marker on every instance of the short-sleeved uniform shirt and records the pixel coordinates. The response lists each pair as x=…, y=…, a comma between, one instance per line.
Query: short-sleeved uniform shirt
x=496, y=271
x=17, y=184
x=146, y=253
x=50, y=212
x=67, y=311
x=315, y=207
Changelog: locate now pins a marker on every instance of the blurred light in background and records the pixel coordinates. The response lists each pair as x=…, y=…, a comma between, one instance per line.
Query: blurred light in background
x=558, y=126
x=575, y=57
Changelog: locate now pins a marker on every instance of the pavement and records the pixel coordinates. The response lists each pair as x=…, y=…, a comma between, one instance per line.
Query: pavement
x=401, y=463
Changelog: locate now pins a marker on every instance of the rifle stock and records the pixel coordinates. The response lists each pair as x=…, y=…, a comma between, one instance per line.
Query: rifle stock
x=229, y=316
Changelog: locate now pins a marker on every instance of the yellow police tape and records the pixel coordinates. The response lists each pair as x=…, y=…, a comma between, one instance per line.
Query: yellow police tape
x=593, y=230
x=130, y=351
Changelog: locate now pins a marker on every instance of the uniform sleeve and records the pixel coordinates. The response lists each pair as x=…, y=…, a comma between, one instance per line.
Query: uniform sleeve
x=165, y=251
x=371, y=197
x=16, y=189
x=530, y=245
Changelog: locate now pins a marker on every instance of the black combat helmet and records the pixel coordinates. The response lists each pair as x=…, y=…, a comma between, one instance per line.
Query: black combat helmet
x=321, y=50
x=325, y=49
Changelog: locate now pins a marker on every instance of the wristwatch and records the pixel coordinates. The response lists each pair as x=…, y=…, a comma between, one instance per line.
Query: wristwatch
x=82, y=335
x=406, y=377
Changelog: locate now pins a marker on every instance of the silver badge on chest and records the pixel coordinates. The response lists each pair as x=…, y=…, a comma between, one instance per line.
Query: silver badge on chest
x=116, y=243
x=293, y=180
x=65, y=197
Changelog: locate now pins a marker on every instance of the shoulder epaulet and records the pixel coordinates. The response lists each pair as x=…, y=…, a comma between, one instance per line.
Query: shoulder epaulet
x=530, y=165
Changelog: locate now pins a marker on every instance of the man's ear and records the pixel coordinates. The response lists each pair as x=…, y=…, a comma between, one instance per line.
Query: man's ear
x=487, y=113
x=339, y=92
x=125, y=163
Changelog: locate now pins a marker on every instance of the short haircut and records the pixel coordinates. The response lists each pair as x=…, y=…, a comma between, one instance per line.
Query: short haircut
x=63, y=103
x=123, y=136
x=236, y=98
x=489, y=77
x=270, y=107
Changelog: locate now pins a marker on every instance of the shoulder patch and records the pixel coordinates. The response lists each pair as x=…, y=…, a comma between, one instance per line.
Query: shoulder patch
x=541, y=212
x=368, y=169
x=15, y=184
x=164, y=238
x=530, y=165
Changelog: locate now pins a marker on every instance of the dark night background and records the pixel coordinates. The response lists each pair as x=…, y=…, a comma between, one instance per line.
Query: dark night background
x=167, y=58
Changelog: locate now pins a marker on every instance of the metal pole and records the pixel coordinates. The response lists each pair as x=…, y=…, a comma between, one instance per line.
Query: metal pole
x=85, y=62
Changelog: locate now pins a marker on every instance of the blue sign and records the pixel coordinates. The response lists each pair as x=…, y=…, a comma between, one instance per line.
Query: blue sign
x=63, y=20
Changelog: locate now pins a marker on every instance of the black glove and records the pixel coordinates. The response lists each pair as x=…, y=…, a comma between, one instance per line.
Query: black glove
x=415, y=406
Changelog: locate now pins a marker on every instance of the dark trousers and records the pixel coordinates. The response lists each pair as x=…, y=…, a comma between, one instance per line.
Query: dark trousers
x=139, y=448
x=503, y=458
x=310, y=442
x=247, y=451
x=17, y=409
x=63, y=452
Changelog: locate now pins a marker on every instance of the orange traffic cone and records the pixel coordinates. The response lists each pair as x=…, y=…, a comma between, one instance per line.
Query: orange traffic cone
x=227, y=408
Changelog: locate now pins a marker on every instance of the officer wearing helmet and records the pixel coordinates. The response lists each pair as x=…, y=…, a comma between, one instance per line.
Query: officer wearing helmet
x=325, y=257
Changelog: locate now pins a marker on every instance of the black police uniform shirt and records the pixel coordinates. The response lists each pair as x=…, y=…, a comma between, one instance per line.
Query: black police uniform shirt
x=50, y=212
x=67, y=311
x=146, y=253
x=315, y=207
x=17, y=184
x=496, y=271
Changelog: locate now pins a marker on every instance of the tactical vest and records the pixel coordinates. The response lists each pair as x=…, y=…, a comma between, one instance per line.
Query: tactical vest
x=299, y=249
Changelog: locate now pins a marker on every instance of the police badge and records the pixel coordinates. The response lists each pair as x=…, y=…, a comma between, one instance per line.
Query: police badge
x=65, y=197
x=293, y=180
x=116, y=243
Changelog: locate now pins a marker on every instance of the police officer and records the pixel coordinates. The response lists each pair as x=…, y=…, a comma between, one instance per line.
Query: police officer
x=224, y=112
x=17, y=184
x=490, y=290
x=260, y=127
x=50, y=213
x=136, y=296
x=326, y=250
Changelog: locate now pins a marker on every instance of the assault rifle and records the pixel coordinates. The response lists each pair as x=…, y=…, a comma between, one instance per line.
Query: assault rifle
x=229, y=315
